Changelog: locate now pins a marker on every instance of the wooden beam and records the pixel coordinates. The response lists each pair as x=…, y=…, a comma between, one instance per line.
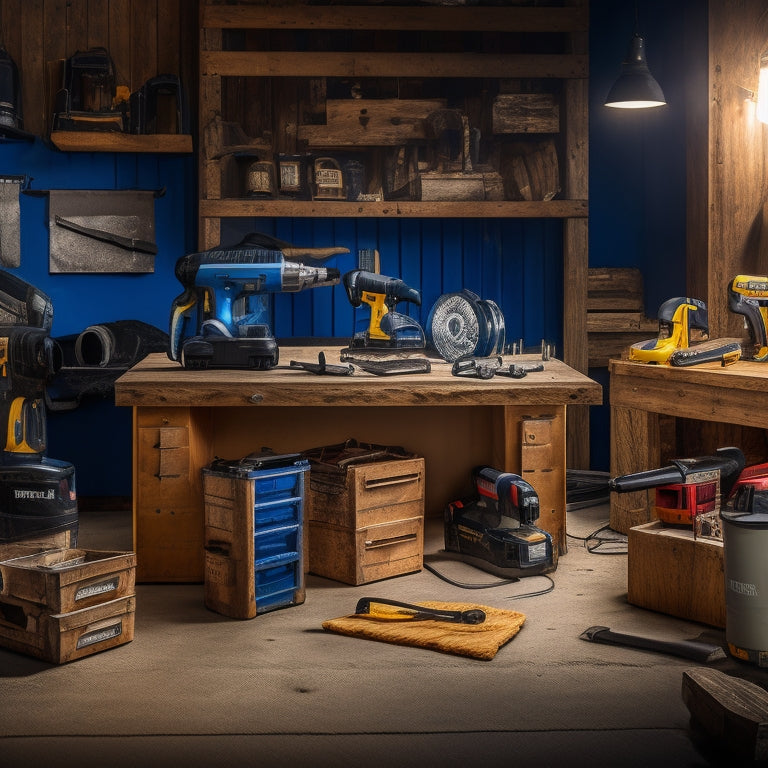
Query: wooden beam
x=406, y=18
x=375, y=64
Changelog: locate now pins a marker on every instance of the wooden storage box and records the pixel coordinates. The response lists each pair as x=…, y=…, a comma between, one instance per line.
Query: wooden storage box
x=671, y=572
x=373, y=527
x=254, y=540
x=38, y=543
x=65, y=580
x=58, y=638
x=358, y=556
x=370, y=491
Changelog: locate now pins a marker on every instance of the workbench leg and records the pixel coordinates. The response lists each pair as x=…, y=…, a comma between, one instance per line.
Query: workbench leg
x=635, y=446
x=534, y=448
x=170, y=446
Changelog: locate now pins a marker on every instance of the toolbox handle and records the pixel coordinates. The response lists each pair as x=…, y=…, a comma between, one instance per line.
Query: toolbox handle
x=396, y=480
x=370, y=544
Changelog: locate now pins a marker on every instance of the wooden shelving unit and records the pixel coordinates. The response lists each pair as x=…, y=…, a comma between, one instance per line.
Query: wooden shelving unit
x=289, y=45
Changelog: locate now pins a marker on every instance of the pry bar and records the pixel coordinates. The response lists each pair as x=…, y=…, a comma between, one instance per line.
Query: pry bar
x=688, y=649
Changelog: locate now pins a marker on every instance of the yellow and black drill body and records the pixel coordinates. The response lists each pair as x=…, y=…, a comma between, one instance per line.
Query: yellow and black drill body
x=37, y=494
x=748, y=296
x=386, y=328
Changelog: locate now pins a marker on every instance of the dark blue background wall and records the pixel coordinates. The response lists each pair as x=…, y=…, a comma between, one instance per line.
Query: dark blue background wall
x=637, y=218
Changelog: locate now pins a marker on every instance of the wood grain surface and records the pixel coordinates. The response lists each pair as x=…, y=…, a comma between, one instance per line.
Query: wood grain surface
x=158, y=381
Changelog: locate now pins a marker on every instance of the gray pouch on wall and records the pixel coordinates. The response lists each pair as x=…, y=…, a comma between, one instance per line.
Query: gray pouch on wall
x=101, y=231
x=10, y=221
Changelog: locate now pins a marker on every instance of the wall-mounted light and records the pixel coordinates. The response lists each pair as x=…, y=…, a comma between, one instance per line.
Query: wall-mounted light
x=636, y=87
x=762, y=90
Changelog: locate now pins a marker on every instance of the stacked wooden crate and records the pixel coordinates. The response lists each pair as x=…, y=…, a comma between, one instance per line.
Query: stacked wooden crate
x=372, y=527
x=615, y=314
x=62, y=604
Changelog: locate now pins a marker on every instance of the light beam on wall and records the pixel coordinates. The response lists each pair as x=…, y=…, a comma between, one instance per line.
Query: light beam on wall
x=762, y=90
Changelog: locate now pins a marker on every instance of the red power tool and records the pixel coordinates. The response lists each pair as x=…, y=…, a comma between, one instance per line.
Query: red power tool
x=687, y=488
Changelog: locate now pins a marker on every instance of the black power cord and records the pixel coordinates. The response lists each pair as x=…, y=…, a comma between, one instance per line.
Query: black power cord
x=492, y=584
x=600, y=541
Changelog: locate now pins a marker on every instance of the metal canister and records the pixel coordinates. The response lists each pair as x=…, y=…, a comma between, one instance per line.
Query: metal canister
x=745, y=556
x=260, y=179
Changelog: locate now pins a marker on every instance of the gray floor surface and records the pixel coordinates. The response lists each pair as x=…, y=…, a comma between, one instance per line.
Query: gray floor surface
x=195, y=688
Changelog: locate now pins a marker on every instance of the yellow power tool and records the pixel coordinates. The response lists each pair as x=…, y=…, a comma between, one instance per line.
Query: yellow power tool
x=678, y=318
x=748, y=296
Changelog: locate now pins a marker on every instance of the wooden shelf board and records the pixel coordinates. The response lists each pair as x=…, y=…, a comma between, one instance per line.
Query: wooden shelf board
x=376, y=64
x=95, y=141
x=235, y=208
x=440, y=19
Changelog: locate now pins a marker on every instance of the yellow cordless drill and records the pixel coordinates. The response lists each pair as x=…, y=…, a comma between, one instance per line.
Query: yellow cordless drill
x=386, y=328
x=748, y=296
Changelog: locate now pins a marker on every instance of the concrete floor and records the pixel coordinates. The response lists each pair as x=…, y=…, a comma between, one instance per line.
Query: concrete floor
x=195, y=688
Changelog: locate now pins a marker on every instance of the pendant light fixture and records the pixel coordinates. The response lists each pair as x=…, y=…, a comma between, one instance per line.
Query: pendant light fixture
x=636, y=87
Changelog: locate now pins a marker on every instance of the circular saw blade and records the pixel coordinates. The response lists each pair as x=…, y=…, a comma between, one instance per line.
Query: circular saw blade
x=461, y=324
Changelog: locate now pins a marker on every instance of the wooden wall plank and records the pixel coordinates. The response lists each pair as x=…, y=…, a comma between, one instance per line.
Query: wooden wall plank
x=55, y=20
x=98, y=24
x=119, y=39
x=168, y=37
x=77, y=26
x=696, y=147
x=143, y=42
x=11, y=29
x=32, y=63
x=737, y=155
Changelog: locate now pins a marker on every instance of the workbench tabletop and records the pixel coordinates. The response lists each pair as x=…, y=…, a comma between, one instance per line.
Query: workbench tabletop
x=733, y=393
x=158, y=381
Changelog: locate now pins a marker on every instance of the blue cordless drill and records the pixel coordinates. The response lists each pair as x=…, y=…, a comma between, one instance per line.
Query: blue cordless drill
x=228, y=294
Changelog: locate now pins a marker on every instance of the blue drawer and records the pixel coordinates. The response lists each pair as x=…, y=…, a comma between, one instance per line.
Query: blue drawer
x=273, y=544
x=279, y=585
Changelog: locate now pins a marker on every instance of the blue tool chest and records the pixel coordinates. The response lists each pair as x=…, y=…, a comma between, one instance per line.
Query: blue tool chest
x=254, y=542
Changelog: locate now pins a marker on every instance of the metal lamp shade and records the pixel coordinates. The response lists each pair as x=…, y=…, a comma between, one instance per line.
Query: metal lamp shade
x=635, y=87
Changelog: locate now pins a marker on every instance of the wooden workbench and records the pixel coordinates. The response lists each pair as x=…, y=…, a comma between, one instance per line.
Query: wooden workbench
x=641, y=395
x=184, y=418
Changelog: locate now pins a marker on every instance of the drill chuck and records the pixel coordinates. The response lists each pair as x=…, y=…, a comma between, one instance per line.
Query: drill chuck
x=297, y=277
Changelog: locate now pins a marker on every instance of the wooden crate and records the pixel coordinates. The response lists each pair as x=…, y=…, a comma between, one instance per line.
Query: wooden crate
x=671, y=572
x=29, y=628
x=38, y=543
x=370, y=492
x=525, y=113
x=65, y=580
x=358, y=556
x=372, y=527
x=615, y=313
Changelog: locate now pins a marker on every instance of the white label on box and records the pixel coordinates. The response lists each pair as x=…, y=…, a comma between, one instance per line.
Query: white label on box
x=96, y=589
x=100, y=635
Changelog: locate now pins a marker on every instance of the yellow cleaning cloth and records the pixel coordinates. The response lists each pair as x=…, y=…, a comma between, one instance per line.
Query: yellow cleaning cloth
x=479, y=641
